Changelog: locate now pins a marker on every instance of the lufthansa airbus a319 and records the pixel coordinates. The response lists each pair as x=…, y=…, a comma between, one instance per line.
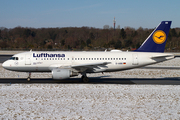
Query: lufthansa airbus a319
x=64, y=64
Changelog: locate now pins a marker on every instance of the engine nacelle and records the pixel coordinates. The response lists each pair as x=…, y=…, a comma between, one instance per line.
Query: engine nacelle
x=60, y=74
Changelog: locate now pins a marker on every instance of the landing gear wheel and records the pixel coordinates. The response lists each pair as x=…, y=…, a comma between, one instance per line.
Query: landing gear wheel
x=85, y=79
x=28, y=79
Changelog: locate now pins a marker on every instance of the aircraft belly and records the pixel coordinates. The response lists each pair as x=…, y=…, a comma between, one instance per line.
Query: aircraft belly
x=30, y=69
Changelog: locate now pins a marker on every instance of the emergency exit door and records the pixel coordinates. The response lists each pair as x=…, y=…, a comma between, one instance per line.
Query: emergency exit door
x=28, y=59
x=135, y=59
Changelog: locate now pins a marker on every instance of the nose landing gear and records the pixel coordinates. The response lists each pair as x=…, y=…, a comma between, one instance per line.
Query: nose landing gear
x=29, y=77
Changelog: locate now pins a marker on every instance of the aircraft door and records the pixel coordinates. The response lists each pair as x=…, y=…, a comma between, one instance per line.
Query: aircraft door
x=135, y=59
x=28, y=59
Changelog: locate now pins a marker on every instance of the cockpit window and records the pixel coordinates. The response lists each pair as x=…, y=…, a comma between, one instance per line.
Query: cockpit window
x=14, y=58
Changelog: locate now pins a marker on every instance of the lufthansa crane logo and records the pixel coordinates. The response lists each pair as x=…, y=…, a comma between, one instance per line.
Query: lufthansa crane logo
x=159, y=37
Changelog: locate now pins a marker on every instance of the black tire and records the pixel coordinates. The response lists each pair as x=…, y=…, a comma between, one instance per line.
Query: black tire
x=85, y=79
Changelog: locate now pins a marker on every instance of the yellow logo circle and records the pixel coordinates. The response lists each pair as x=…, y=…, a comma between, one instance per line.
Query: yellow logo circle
x=159, y=37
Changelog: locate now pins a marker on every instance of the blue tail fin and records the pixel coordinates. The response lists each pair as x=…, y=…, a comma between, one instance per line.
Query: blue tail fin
x=156, y=41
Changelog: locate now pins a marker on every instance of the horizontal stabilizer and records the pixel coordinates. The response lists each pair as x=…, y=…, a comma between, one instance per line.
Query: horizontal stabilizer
x=162, y=56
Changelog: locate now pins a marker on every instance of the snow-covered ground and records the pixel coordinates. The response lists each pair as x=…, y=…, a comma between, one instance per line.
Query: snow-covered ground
x=92, y=101
x=84, y=101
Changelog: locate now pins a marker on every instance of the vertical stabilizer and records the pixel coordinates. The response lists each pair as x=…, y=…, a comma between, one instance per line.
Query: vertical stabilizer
x=156, y=41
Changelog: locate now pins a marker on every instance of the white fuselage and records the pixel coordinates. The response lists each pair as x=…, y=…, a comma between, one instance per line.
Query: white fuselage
x=43, y=61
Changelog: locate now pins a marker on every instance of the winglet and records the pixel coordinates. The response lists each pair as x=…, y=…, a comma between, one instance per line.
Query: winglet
x=156, y=41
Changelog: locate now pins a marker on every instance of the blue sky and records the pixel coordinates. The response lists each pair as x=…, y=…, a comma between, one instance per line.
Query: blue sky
x=91, y=13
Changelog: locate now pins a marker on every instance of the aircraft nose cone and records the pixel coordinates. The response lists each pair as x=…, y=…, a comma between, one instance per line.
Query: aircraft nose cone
x=5, y=65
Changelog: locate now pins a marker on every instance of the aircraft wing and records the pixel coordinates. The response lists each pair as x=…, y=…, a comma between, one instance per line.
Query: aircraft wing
x=162, y=67
x=82, y=67
x=90, y=66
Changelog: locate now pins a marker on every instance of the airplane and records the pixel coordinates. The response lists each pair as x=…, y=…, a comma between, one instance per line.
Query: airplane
x=65, y=64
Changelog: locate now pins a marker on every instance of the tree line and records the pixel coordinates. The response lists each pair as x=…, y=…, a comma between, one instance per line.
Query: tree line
x=84, y=38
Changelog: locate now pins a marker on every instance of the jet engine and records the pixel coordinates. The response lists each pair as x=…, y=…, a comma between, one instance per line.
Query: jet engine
x=60, y=74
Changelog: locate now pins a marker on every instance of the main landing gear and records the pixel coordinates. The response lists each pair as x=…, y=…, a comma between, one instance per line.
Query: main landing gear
x=29, y=77
x=85, y=78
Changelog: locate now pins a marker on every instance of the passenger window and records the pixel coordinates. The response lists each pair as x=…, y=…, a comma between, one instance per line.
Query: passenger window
x=83, y=58
x=124, y=58
x=119, y=58
x=94, y=58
